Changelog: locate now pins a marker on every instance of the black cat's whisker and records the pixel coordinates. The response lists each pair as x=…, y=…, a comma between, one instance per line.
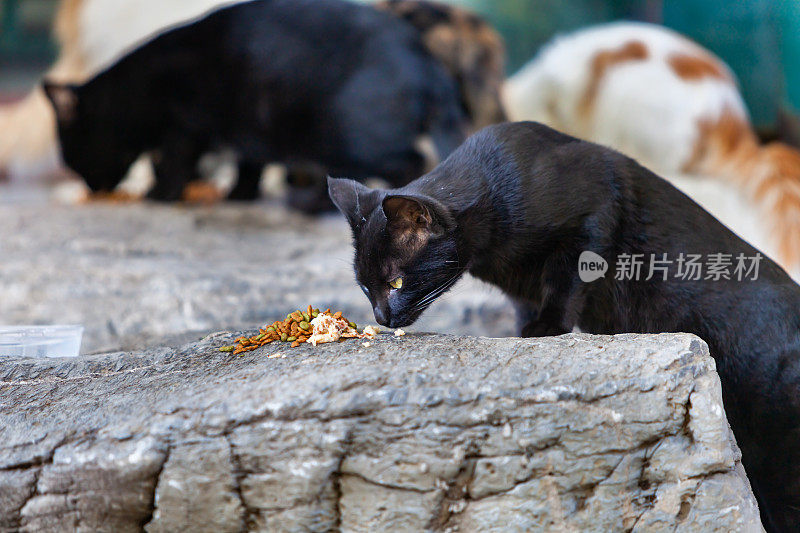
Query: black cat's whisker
x=431, y=296
x=427, y=295
x=423, y=305
x=455, y=291
x=437, y=291
x=426, y=300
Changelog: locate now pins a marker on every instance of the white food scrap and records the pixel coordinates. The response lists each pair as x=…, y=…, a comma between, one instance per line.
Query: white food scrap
x=371, y=331
x=326, y=328
x=399, y=332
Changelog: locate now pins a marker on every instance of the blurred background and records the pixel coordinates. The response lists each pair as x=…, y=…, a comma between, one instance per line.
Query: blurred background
x=757, y=38
x=143, y=274
x=26, y=46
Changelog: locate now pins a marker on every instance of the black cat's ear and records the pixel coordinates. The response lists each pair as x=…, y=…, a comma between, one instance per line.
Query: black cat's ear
x=413, y=217
x=64, y=98
x=351, y=198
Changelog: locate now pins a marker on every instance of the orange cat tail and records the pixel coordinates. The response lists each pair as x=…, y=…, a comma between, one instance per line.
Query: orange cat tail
x=28, y=145
x=775, y=183
x=728, y=147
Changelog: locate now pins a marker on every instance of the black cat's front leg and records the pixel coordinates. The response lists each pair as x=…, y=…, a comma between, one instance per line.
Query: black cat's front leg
x=248, y=182
x=533, y=322
x=526, y=313
x=558, y=311
x=537, y=328
x=175, y=165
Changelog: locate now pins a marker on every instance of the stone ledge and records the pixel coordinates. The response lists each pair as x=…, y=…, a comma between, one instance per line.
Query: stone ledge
x=422, y=432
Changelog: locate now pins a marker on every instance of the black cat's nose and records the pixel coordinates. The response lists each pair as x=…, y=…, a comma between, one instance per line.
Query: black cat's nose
x=380, y=316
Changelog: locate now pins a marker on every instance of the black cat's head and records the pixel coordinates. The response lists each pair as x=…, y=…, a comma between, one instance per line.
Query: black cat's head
x=93, y=142
x=406, y=252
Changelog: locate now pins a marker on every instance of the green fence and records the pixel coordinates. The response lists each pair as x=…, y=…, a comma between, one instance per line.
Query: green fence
x=25, y=30
x=759, y=39
x=747, y=35
x=790, y=47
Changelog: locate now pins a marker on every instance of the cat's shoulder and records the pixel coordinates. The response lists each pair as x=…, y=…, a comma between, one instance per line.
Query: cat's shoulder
x=519, y=145
x=523, y=135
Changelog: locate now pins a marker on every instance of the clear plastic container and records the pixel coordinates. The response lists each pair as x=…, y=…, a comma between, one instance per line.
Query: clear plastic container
x=40, y=341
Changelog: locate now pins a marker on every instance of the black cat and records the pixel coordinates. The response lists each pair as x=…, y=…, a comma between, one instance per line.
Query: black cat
x=326, y=82
x=518, y=204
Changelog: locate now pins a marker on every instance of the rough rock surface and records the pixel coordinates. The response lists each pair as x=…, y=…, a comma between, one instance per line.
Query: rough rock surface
x=141, y=275
x=415, y=433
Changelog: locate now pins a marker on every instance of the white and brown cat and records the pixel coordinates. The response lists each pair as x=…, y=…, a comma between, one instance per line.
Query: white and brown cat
x=674, y=106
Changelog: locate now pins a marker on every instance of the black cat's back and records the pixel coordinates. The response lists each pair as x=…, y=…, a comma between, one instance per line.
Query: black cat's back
x=327, y=45
x=649, y=214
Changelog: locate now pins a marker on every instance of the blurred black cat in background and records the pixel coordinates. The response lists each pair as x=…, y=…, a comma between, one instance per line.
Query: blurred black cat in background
x=322, y=82
x=468, y=46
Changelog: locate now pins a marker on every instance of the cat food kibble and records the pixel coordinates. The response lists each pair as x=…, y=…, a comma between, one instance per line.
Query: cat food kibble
x=312, y=326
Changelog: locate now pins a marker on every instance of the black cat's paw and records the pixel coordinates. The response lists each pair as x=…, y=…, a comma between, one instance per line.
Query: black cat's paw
x=542, y=329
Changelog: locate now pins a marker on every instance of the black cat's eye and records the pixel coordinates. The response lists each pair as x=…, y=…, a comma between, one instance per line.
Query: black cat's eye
x=396, y=283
